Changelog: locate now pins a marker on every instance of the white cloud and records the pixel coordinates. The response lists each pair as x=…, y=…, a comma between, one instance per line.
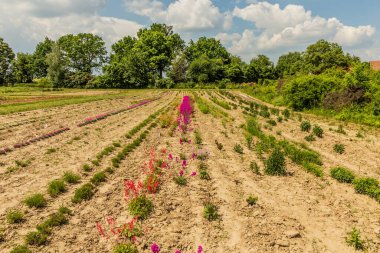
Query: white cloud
x=291, y=28
x=183, y=15
x=28, y=22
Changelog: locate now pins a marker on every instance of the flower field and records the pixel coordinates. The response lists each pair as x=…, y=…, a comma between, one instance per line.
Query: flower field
x=186, y=171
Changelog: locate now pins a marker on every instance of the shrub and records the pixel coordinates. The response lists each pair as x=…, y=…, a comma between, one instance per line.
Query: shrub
x=85, y=192
x=353, y=239
x=125, y=248
x=36, y=238
x=279, y=119
x=37, y=200
x=20, y=249
x=318, y=131
x=71, y=177
x=98, y=178
x=140, y=206
x=340, y=130
x=368, y=186
x=15, y=216
x=238, y=149
x=56, y=187
x=339, y=148
x=252, y=200
x=305, y=126
x=86, y=168
x=210, y=212
x=310, y=138
x=275, y=164
x=343, y=175
x=180, y=180
x=286, y=113
x=272, y=122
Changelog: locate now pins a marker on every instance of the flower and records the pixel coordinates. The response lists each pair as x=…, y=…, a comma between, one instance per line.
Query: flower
x=184, y=163
x=177, y=251
x=170, y=157
x=200, y=249
x=181, y=173
x=193, y=174
x=155, y=248
x=180, y=141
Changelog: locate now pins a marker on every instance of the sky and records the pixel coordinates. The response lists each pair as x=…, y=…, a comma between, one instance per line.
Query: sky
x=246, y=27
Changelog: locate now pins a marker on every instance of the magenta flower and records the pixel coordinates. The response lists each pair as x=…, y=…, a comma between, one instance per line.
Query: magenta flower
x=181, y=173
x=177, y=251
x=180, y=141
x=170, y=157
x=200, y=249
x=193, y=156
x=155, y=248
x=193, y=174
x=189, y=141
x=184, y=163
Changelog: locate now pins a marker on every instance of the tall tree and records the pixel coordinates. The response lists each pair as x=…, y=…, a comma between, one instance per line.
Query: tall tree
x=23, y=68
x=204, y=70
x=6, y=58
x=289, y=64
x=160, y=45
x=208, y=46
x=260, y=68
x=85, y=52
x=56, y=66
x=235, y=70
x=178, y=70
x=40, y=65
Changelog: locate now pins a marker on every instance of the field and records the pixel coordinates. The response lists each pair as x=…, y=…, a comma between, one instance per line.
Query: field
x=185, y=171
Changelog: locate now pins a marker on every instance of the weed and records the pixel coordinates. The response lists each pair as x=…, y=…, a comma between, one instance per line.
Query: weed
x=310, y=138
x=2, y=235
x=368, y=186
x=339, y=148
x=275, y=165
x=219, y=145
x=341, y=130
x=183, y=156
x=76, y=138
x=140, y=207
x=305, y=126
x=95, y=162
x=204, y=175
x=22, y=164
x=71, y=177
x=98, y=178
x=14, y=216
x=85, y=192
x=37, y=200
x=264, y=114
x=56, y=187
x=286, y=113
x=343, y=175
x=280, y=119
x=318, y=131
x=210, y=212
x=109, y=170
x=116, y=144
x=353, y=239
x=86, y=168
x=180, y=180
x=50, y=151
x=238, y=149
x=125, y=248
x=198, y=137
x=272, y=122
x=313, y=169
x=20, y=249
x=36, y=238
x=254, y=167
x=249, y=140
x=359, y=135
x=252, y=200
x=55, y=220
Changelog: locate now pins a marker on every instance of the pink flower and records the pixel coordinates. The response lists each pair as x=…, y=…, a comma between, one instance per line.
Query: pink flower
x=170, y=157
x=181, y=173
x=177, y=251
x=200, y=249
x=193, y=174
x=193, y=156
x=180, y=141
x=184, y=163
x=189, y=141
x=155, y=248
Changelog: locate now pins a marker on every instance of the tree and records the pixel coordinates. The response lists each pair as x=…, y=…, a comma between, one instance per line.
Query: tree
x=235, y=70
x=40, y=65
x=289, y=64
x=6, y=58
x=324, y=55
x=160, y=46
x=210, y=47
x=56, y=66
x=260, y=68
x=178, y=70
x=23, y=68
x=84, y=52
x=204, y=69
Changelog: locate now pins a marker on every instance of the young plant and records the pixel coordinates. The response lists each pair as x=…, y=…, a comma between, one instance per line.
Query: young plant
x=252, y=200
x=272, y=122
x=254, y=167
x=140, y=207
x=71, y=177
x=180, y=180
x=86, y=168
x=85, y=192
x=15, y=216
x=368, y=186
x=310, y=138
x=219, y=145
x=20, y=249
x=125, y=248
x=56, y=187
x=305, y=126
x=354, y=239
x=343, y=175
x=275, y=164
x=98, y=178
x=339, y=148
x=203, y=173
x=198, y=137
x=210, y=212
x=37, y=200
x=318, y=131
x=36, y=238
x=238, y=149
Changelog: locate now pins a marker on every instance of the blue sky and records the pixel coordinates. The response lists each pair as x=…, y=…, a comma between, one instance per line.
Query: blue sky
x=246, y=27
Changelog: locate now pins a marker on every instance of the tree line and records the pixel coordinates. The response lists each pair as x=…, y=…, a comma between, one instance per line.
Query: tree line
x=157, y=57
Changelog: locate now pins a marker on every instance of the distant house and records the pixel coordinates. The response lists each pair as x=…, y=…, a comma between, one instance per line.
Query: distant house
x=375, y=65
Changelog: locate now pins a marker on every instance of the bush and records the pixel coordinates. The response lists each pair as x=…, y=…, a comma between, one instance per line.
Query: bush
x=125, y=248
x=98, y=178
x=305, y=126
x=85, y=192
x=210, y=212
x=286, y=113
x=56, y=187
x=71, y=177
x=36, y=238
x=86, y=168
x=343, y=175
x=353, y=239
x=368, y=186
x=36, y=200
x=275, y=165
x=20, y=249
x=15, y=216
x=339, y=148
x=252, y=200
x=140, y=207
x=318, y=131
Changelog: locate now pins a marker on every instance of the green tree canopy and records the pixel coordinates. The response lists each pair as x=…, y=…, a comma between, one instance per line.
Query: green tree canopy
x=204, y=69
x=56, y=66
x=23, y=68
x=210, y=47
x=6, y=58
x=289, y=64
x=260, y=68
x=40, y=65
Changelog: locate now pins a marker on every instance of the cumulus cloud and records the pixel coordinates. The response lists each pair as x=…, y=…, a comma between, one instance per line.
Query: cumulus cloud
x=184, y=15
x=25, y=23
x=291, y=27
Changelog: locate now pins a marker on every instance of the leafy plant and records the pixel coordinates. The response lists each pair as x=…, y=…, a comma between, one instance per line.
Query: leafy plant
x=343, y=175
x=305, y=126
x=272, y=122
x=125, y=248
x=275, y=164
x=310, y=138
x=180, y=180
x=368, y=186
x=15, y=216
x=252, y=200
x=71, y=177
x=339, y=148
x=85, y=192
x=56, y=187
x=210, y=212
x=354, y=239
x=98, y=178
x=238, y=149
x=86, y=168
x=37, y=200
x=140, y=207
x=318, y=131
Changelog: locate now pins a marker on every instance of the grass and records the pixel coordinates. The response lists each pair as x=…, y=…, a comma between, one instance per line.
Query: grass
x=180, y=180
x=86, y=168
x=305, y=126
x=310, y=138
x=37, y=200
x=198, y=137
x=20, y=249
x=254, y=167
x=85, y=192
x=354, y=239
x=98, y=178
x=342, y=175
x=367, y=186
x=275, y=164
x=252, y=200
x=339, y=148
x=140, y=207
x=36, y=238
x=54, y=220
x=125, y=248
x=314, y=169
x=210, y=212
x=71, y=177
x=15, y=217
x=238, y=149
x=56, y=187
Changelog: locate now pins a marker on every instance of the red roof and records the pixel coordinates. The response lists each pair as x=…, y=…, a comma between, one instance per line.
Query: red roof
x=375, y=65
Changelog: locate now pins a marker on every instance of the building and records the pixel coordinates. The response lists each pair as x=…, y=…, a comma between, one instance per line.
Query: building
x=375, y=65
